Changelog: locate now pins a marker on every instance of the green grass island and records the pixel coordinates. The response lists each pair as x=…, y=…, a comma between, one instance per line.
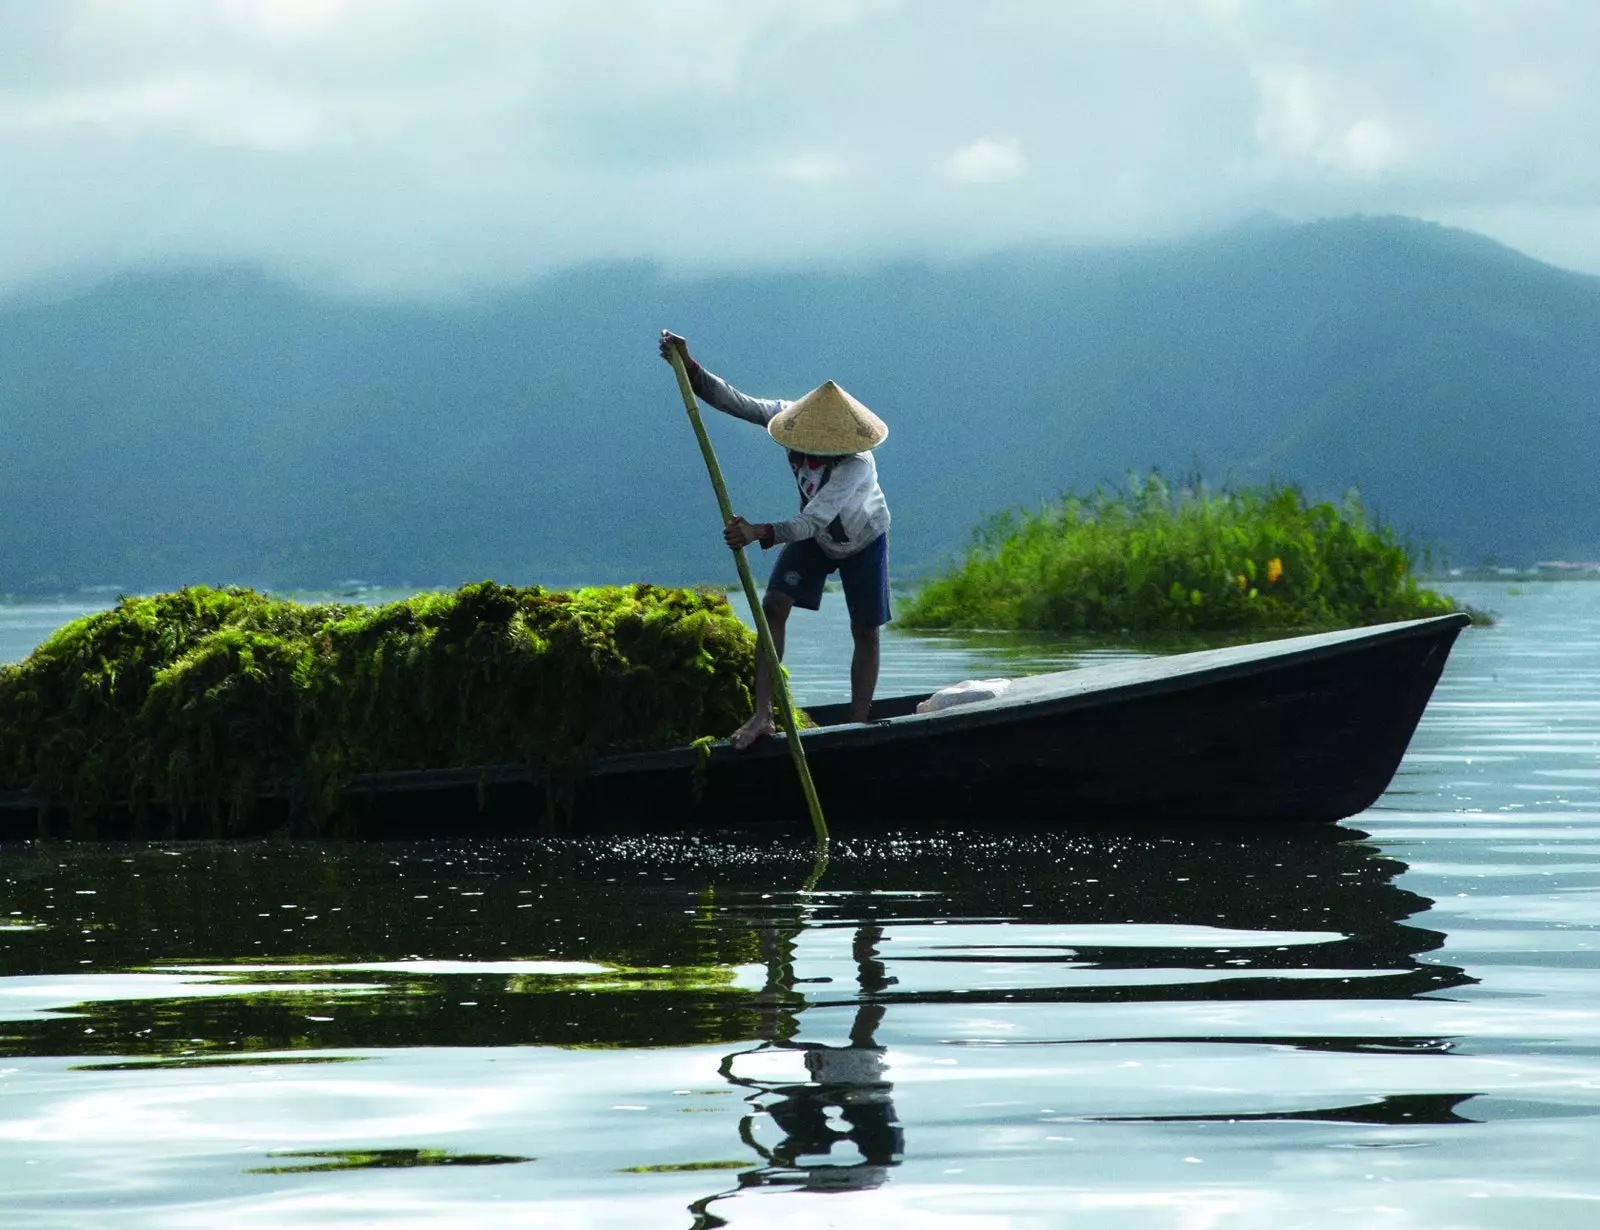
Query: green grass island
x=1156, y=558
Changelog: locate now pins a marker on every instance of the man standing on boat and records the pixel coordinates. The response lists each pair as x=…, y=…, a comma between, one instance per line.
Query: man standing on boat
x=843, y=524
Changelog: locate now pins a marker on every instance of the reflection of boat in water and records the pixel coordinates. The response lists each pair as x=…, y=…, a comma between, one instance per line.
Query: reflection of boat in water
x=827, y=1000
x=1305, y=729
x=1395, y=1109
x=1100, y=942
x=677, y=919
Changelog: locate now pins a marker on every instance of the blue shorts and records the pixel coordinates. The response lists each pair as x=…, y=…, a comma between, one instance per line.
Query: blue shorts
x=802, y=568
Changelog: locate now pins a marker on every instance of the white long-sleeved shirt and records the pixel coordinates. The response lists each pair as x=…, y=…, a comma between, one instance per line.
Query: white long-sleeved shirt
x=841, y=504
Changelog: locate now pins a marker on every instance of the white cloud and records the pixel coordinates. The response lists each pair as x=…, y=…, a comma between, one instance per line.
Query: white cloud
x=987, y=161
x=1307, y=120
x=423, y=147
x=1370, y=146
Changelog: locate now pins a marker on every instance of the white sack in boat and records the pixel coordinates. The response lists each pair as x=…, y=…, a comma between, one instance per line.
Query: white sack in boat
x=966, y=692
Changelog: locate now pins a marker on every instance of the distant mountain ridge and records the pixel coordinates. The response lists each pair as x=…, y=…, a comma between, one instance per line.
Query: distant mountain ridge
x=220, y=426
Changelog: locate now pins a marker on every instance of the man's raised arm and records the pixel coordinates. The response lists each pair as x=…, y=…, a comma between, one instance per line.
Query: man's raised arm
x=717, y=392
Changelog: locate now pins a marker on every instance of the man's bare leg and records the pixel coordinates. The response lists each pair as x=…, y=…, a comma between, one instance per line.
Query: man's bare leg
x=863, y=670
x=777, y=607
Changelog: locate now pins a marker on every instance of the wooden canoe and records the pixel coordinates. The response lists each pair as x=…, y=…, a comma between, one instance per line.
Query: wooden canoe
x=1307, y=729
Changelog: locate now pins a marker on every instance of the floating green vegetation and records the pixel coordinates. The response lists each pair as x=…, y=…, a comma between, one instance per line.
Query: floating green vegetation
x=621, y=979
x=213, y=1061
x=686, y=1167
x=199, y=701
x=1157, y=558
x=383, y=1159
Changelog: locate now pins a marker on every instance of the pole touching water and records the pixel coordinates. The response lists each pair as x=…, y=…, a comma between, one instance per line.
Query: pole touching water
x=768, y=649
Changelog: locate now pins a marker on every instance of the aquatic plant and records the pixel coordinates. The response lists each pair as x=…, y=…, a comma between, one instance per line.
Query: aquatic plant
x=199, y=700
x=1158, y=558
x=319, y=1160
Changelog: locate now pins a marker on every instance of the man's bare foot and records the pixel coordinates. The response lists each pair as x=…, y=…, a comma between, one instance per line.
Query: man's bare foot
x=752, y=730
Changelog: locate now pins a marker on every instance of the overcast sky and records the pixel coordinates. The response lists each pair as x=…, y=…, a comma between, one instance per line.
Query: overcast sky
x=427, y=147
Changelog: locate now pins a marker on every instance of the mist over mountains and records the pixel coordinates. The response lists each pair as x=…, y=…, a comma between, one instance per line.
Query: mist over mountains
x=219, y=426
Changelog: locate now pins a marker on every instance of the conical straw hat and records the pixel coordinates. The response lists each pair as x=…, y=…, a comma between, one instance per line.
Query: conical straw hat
x=827, y=422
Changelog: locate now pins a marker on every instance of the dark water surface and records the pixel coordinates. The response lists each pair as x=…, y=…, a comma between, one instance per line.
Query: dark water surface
x=1394, y=1022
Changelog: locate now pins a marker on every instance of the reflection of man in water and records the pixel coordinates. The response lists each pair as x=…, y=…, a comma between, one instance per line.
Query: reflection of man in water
x=850, y=1081
x=848, y=1098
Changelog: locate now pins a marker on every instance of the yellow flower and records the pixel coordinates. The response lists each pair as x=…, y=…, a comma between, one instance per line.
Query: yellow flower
x=1243, y=583
x=1274, y=570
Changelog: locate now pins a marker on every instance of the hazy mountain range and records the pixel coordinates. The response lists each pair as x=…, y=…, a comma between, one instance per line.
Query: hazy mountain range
x=221, y=426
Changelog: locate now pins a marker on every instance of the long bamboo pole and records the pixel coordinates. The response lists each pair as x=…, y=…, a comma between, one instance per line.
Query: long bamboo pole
x=768, y=649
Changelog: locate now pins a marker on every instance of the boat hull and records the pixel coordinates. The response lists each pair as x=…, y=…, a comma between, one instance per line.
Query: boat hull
x=1312, y=741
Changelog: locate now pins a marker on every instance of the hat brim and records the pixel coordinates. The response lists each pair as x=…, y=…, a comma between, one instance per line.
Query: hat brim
x=828, y=422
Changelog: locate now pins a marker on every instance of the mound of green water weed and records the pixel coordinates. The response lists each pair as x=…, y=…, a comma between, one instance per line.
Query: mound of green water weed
x=200, y=699
x=1157, y=558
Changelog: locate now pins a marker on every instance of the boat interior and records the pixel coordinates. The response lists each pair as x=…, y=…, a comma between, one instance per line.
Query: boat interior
x=886, y=707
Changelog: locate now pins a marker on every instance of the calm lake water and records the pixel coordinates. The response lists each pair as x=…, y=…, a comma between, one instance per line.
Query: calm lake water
x=1391, y=1023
